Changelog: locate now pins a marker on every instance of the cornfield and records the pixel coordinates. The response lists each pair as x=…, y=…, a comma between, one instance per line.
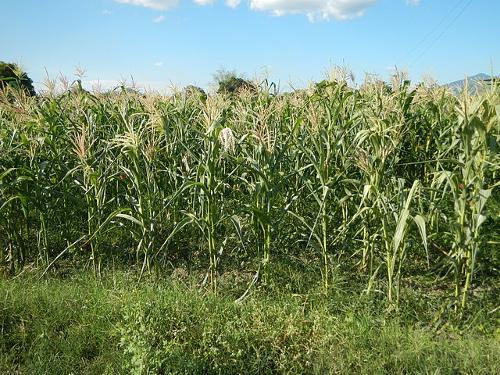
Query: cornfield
x=385, y=180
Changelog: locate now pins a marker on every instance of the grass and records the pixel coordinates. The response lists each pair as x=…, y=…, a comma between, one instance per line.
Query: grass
x=83, y=325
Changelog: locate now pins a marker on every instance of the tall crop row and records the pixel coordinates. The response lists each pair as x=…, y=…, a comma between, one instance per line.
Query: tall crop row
x=378, y=179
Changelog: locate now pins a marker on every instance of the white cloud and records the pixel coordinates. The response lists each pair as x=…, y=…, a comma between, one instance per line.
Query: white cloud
x=204, y=2
x=159, y=19
x=314, y=9
x=233, y=3
x=107, y=12
x=159, y=64
x=152, y=4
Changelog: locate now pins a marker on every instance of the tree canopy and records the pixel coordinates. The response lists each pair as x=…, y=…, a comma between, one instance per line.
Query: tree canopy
x=230, y=83
x=12, y=75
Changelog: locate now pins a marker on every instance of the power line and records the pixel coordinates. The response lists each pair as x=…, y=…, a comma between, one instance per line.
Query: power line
x=462, y=5
x=435, y=28
x=440, y=35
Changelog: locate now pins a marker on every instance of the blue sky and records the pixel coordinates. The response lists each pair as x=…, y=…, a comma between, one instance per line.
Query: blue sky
x=180, y=42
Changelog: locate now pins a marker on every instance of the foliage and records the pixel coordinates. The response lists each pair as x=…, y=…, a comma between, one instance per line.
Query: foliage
x=228, y=82
x=388, y=183
x=195, y=91
x=12, y=75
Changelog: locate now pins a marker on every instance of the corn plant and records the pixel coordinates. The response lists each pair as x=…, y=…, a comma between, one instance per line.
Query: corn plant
x=474, y=136
x=330, y=176
x=322, y=146
x=384, y=206
x=138, y=164
x=207, y=183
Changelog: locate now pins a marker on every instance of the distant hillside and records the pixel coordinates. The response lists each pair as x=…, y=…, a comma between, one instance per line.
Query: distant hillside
x=476, y=83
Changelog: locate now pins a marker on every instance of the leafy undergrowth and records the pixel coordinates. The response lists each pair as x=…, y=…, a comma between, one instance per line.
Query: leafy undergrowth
x=115, y=325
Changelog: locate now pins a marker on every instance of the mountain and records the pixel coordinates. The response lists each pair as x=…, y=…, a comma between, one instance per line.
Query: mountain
x=475, y=83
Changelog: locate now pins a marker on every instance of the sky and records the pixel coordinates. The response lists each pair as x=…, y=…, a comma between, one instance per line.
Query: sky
x=165, y=43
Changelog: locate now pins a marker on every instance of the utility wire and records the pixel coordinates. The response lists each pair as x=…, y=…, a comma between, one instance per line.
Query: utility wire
x=435, y=29
x=448, y=26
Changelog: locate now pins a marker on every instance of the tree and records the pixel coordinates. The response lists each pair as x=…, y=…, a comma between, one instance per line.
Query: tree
x=12, y=75
x=195, y=91
x=229, y=83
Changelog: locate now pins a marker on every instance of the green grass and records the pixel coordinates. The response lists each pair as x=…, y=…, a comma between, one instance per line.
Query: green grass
x=84, y=326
